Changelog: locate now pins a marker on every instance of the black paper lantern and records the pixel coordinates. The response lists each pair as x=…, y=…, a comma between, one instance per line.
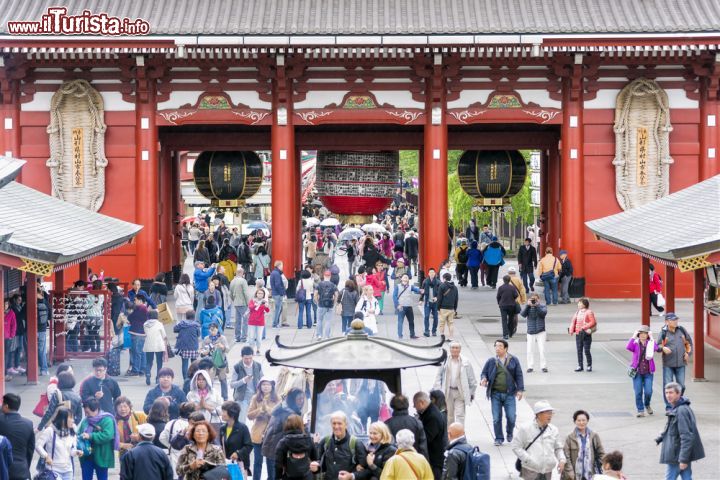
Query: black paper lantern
x=492, y=176
x=228, y=178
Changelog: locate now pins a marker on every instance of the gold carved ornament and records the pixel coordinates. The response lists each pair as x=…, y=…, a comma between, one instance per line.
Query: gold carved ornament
x=38, y=268
x=693, y=263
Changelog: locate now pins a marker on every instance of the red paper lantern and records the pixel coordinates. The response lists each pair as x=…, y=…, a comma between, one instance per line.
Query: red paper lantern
x=357, y=185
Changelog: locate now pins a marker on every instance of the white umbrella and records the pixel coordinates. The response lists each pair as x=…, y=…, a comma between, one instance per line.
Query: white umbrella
x=350, y=233
x=373, y=228
x=330, y=222
x=312, y=221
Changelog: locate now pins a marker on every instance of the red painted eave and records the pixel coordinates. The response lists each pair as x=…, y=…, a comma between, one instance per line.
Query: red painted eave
x=72, y=42
x=10, y=261
x=629, y=41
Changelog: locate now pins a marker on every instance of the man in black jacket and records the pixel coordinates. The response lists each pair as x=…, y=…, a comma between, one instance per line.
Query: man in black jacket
x=411, y=251
x=101, y=386
x=506, y=295
x=457, y=450
x=447, y=305
x=435, y=426
x=402, y=420
x=429, y=295
x=341, y=453
x=19, y=431
x=527, y=263
x=145, y=460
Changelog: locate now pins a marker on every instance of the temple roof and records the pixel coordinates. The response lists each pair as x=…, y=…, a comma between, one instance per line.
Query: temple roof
x=49, y=230
x=393, y=17
x=356, y=351
x=675, y=227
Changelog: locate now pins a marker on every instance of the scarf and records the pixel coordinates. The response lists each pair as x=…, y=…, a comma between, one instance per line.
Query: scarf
x=124, y=427
x=93, y=421
x=214, y=338
x=583, y=464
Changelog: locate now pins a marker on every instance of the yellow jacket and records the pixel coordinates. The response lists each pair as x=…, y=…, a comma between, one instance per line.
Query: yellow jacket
x=522, y=298
x=546, y=264
x=398, y=467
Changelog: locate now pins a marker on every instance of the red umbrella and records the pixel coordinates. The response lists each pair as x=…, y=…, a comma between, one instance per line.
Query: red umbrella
x=191, y=218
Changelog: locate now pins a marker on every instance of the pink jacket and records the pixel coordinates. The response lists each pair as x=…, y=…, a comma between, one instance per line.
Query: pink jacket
x=10, y=324
x=257, y=313
x=576, y=326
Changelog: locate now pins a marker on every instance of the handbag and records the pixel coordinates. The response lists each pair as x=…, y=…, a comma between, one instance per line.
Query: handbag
x=45, y=472
x=169, y=351
x=660, y=301
x=218, y=359
x=632, y=372
x=85, y=446
x=518, y=463
x=338, y=306
x=42, y=405
x=549, y=275
x=127, y=338
x=235, y=471
x=219, y=472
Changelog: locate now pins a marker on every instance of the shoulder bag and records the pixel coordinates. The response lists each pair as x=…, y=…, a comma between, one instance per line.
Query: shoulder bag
x=45, y=472
x=338, y=305
x=518, y=463
x=550, y=274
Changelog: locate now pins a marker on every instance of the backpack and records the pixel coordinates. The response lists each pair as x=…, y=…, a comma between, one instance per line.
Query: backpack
x=462, y=256
x=300, y=294
x=477, y=463
x=325, y=294
x=353, y=443
x=297, y=465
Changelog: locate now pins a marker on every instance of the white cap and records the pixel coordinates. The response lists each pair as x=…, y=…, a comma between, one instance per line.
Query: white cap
x=512, y=270
x=146, y=430
x=542, y=406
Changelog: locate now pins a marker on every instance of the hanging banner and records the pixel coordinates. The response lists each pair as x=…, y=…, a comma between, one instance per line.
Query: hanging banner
x=642, y=157
x=78, y=158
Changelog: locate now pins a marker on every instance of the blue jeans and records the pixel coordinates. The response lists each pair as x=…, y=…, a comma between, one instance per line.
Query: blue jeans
x=21, y=347
x=185, y=365
x=257, y=463
x=306, y=307
x=643, y=385
x=406, y=312
x=42, y=351
x=671, y=374
x=431, y=308
x=255, y=336
x=672, y=471
x=138, y=342
x=89, y=468
x=241, y=325
x=324, y=325
x=346, y=321
x=499, y=402
x=278, y=299
x=551, y=287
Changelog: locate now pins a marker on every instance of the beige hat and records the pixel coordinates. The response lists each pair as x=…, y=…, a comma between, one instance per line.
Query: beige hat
x=542, y=406
x=146, y=430
x=644, y=328
x=512, y=270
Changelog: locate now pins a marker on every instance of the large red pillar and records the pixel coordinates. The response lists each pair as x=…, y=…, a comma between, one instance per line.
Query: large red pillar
x=669, y=289
x=2, y=333
x=32, y=328
x=552, y=213
x=421, y=212
x=708, y=129
x=285, y=202
x=699, y=324
x=645, y=290
x=166, y=214
x=434, y=224
x=57, y=343
x=177, y=207
x=571, y=175
x=146, y=185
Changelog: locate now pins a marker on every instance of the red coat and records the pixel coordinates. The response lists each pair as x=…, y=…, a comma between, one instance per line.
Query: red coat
x=655, y=283
x=377, y=281
x=576, y=326
x=257, y=313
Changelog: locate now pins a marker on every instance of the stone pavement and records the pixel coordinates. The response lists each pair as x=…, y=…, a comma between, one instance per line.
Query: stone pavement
x=606, y=392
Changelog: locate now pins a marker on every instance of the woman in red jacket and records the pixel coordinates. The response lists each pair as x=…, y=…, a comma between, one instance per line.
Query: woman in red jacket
x=377, y=281
x=583, y=325
x=256, y=319
x=655, y=289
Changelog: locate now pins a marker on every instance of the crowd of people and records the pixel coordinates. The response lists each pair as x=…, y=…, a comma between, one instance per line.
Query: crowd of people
x=213, y=416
